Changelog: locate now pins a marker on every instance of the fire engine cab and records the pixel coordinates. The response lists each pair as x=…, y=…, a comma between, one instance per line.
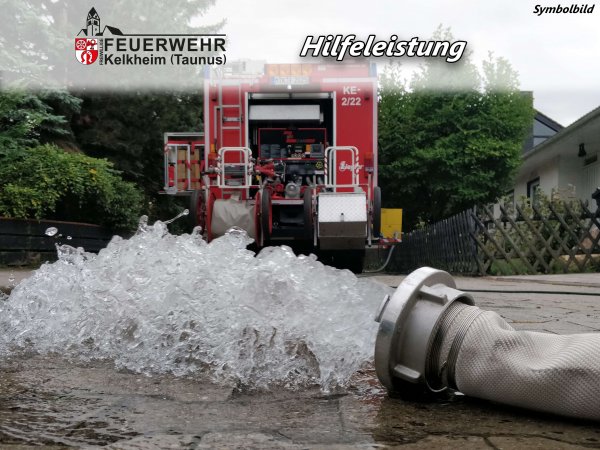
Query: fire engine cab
x=288, y=153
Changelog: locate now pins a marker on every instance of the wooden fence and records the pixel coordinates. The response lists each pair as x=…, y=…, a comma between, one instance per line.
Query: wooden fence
x=448, y=244
x=24, y=242
x=550, y=237
x=542, y=237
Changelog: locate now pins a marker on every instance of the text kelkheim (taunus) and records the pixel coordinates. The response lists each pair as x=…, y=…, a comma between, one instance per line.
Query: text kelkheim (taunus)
x=564, y=9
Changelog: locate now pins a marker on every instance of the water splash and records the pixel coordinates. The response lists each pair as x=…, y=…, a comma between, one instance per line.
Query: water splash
x=51, y=231
x=160, y=303
x=183, y=213
x=142, y=224
x=11, y=280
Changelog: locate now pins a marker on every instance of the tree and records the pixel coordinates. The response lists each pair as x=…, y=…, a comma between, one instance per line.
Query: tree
x=451, y=137
x=27, y=119
x=127, y=129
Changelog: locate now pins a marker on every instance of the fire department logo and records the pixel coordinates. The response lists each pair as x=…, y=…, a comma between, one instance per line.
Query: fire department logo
x=86, y=50
x=86, y=44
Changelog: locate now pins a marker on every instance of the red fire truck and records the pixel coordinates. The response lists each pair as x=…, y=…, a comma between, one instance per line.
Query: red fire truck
x=288, y=153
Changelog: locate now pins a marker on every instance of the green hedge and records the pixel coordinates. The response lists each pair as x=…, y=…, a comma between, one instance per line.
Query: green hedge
x=46, y=182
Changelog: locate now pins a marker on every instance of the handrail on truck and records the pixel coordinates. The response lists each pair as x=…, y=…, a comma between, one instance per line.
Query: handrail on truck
x=246, y=163
x=330, y=166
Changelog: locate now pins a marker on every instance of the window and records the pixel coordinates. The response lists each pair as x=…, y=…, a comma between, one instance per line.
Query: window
x=541, y=132
x=532, y=187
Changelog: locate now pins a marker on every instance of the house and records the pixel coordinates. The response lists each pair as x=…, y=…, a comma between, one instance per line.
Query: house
x=561, y=161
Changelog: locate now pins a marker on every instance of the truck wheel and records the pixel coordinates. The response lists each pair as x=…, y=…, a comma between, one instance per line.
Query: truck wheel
x=266, y=215
x=308, y=212
x=376, y=219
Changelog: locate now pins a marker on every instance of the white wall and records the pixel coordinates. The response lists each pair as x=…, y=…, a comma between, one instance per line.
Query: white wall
x=564, y=173
x=548, y=174
x=570, y=172
x=585, y=178
x=590, y=180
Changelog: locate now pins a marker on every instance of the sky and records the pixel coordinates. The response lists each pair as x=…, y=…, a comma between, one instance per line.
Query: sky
x=557, y=56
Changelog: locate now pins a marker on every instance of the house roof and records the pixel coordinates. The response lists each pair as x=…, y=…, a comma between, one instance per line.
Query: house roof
x=113, y=30
x=584, y=130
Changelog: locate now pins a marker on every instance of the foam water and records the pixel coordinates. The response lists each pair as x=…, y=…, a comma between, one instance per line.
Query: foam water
x=160, y=303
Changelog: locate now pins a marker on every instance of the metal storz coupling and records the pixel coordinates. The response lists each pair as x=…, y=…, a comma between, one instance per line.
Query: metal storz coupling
x=431, y=337
x=408, y=345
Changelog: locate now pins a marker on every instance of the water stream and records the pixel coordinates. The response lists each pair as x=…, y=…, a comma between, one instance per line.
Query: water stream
x=161, y=303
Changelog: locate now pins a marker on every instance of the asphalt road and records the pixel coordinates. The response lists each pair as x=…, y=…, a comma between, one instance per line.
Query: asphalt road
x=54, y=403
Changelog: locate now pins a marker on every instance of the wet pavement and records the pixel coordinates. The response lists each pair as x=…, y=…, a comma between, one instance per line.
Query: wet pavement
x=55, y=403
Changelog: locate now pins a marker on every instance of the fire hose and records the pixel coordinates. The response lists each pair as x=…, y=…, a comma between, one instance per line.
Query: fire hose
x=433, y=338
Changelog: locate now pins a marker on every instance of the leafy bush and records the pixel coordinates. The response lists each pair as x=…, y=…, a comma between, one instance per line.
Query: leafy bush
x=46, y=182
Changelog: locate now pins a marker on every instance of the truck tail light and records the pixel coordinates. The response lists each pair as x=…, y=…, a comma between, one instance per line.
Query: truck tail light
x=369, y=162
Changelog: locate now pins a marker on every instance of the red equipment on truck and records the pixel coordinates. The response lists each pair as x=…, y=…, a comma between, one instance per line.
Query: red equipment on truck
x=288, y=153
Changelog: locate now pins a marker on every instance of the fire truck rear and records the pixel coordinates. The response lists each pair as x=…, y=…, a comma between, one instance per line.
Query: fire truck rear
x=288, y=153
